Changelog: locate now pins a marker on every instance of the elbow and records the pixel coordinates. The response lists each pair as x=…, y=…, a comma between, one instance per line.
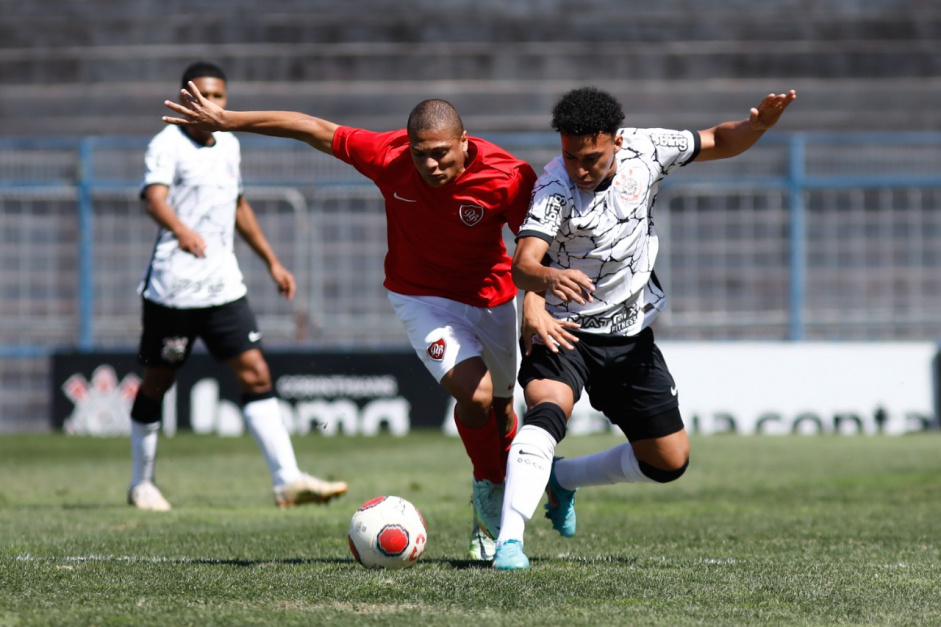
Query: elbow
x=517, y=277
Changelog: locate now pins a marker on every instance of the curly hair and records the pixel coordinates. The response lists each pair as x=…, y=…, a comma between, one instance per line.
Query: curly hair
x=587, y=111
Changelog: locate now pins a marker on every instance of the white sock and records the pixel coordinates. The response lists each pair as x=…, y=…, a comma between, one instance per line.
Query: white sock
x=616, y=465
x=527, y=473
x=263, y=420
x=143, y=451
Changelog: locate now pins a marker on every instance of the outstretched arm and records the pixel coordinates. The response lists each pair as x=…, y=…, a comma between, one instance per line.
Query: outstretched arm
x=733, y=138
x=200, y=114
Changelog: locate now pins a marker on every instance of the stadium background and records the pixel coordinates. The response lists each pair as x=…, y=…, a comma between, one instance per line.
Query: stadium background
x=828, y=230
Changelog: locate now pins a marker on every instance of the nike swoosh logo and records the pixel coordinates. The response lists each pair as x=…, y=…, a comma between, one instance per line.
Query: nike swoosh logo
x=673, y=391
x=254, y=336
x=397, y=197
x=522, y=452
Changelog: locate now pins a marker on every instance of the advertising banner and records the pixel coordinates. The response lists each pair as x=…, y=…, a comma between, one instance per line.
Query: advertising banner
x=745, y=388
x=350, y=393
x=804, y=387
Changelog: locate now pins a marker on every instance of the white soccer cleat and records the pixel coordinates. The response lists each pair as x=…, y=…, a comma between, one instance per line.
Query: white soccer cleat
x=487, y=499
x=307, y=489
x=482, y=546
x=147, y=496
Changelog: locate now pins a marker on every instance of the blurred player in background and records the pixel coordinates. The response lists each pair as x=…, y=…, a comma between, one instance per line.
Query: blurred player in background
x=447, y=198
x=585, y=254
x=193, y=288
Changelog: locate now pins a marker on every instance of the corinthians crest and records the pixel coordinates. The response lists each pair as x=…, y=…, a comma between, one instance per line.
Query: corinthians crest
x=102, y=405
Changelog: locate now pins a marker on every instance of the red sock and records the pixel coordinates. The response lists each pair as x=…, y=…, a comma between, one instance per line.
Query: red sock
x=507, y=440
x=484, y=447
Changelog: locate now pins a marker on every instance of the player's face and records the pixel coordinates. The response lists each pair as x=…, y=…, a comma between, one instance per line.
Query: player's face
x=213, y=89
x=589, y=159
x=439, y=155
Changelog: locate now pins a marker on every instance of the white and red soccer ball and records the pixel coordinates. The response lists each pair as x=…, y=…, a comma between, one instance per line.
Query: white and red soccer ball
x=387, y=532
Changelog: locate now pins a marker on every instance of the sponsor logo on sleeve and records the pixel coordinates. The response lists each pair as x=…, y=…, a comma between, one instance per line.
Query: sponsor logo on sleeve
x=553, y=210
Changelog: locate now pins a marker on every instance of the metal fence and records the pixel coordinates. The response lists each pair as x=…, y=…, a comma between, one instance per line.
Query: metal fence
x=817, y=237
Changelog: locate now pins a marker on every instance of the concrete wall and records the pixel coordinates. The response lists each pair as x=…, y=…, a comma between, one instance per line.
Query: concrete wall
x=104, y=67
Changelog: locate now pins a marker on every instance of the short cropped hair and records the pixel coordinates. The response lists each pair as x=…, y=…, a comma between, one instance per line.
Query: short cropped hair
x=434, y=114
x=202, y=69
x=587, y=111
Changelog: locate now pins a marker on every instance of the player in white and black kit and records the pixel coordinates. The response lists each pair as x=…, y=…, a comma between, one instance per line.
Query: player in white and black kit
x=585, y=255
x=193, y=288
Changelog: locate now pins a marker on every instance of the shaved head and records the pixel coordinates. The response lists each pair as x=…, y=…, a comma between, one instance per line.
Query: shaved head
x=434, y=115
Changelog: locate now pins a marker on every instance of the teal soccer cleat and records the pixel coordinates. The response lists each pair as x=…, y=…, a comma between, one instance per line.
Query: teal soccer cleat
x=510, y=556
x=560, y=507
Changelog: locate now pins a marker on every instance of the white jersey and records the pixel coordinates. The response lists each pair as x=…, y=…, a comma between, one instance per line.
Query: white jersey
x=205, y=183
x=609, y=234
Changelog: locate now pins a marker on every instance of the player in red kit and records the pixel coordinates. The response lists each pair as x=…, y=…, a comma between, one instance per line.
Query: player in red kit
x=447, y=198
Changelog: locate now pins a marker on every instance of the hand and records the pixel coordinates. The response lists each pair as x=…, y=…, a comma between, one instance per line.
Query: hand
x=537, y=322
x=569, y=285
x=198, y=112
x=284, y=280
x=192, y=242
x=770, y=110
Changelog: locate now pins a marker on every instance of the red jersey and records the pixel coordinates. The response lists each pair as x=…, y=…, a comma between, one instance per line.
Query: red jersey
x=444, y=241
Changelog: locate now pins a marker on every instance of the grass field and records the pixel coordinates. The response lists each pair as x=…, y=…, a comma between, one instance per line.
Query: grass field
x=760, y=531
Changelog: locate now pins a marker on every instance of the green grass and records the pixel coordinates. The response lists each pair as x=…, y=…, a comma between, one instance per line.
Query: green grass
x=760, y=531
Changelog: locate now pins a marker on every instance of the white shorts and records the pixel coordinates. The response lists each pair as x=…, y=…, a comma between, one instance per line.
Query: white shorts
x=444, y=333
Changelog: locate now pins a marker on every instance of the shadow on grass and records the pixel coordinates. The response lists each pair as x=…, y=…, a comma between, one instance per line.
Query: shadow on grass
x=461, y=564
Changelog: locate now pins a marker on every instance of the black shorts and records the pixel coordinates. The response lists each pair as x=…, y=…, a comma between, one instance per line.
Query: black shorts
x=626, y=379
x=169, y=334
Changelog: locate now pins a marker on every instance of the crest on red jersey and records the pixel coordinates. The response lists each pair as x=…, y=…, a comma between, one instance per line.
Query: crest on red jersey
x=471, y=214
x=436, y=349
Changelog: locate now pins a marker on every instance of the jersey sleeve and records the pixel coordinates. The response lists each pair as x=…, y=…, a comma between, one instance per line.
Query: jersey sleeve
x=520, y=196
x=550, y=201
x=367, y=151
x=159, y=164
x=673, y=149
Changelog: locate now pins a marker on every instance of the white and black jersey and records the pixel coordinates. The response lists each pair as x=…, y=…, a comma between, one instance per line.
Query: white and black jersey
x=609, y=233
x=205, y=183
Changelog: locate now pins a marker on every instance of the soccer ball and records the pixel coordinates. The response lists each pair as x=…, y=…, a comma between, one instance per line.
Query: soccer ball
x=387, y=532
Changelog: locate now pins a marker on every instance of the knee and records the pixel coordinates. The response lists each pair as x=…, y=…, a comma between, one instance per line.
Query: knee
x=146, y=410
x=548, y=417
x=254, y=376
x=661, y=475
x=474, y=396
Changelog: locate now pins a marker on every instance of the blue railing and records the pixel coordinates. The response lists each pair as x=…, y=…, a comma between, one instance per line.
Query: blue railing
x=795, y=178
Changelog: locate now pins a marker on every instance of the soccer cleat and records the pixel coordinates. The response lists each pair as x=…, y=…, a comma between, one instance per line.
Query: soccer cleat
x=307, y=489
x=487, y=499
x=147, y=496
x=481, y=545
x=560, y=506
x=510, y=556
